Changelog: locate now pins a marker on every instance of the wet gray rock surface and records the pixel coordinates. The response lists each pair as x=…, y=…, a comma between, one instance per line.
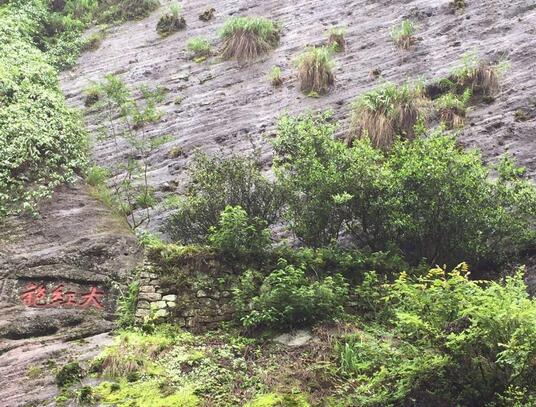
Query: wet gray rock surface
x=48, y=266
x=225, y=105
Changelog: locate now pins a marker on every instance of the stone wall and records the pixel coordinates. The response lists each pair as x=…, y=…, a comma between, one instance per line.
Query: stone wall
x=192, y=291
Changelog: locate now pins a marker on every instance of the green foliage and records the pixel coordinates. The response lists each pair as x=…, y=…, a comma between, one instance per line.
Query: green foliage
x=171, y=22
x=246, y=38
x=275, y=76
x=452, y=108
x=427, y=198
x=69, y=374
x=200, y=47
x=386, y=112
x=237, y=234
x=445, y=339
x=126, y=306
x=404, y=35
x=216, y=183
x=42, y=141
x=124, y=119
x=144, y=393
x=265, y=29
x=315, y=70
x=336, y=39
x=279, y=400
x=286, y=297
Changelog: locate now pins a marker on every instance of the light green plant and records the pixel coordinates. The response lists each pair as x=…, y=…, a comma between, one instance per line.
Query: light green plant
x=200, y=47
x=275, y=76
x=404, y=34
x=246, y=38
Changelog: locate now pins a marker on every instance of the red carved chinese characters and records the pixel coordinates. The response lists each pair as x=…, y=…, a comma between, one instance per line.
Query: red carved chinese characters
x=35, y=295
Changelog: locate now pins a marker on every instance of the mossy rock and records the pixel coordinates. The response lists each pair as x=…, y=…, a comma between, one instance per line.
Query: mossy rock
x=169, y=23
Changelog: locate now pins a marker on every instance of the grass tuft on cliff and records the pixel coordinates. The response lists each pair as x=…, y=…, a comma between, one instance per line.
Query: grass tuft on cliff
x=247, y=38
x=315, y=71
x=386, y=112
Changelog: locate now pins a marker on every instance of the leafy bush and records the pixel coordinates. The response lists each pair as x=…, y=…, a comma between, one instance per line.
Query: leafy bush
x=446, y=340
x=387, y=112
x=315, y=71
x=427, y=198
x=216, y=183
x=286, y=297
x=237, y=234
x=246, y=38
x=42, y=141
x=404, y=35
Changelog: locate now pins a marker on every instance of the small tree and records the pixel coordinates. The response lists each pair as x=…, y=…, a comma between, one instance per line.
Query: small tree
x=125, y=119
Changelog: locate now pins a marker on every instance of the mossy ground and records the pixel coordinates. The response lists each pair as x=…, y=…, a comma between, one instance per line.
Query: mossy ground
x=219, y=368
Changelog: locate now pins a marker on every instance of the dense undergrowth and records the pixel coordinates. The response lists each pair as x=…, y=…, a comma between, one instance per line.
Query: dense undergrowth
x=42, y=142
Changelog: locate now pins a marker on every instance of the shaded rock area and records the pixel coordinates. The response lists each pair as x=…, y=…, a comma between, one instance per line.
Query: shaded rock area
x=59, y=279
x=225, y=105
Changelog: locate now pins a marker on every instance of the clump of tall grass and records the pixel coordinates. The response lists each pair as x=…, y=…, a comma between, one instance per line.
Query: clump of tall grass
x=387, y=112
x=247, y=38
x=315, y=70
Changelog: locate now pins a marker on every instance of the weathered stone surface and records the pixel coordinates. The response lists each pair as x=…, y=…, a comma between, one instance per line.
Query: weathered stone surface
x=294, y=339
x=147, y=289
x=161, y=313
x=150, y=296
x=169, y=297
x=171, y=304
x=76, y=242
x=159, y=304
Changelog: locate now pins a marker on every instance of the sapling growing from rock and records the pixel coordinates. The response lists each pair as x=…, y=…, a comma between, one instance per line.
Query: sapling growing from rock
x=404, y=35
x=124, y=122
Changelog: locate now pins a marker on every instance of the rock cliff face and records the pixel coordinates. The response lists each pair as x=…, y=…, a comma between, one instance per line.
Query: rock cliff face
x=79, y=246
x=223, y=105
x=60, y=275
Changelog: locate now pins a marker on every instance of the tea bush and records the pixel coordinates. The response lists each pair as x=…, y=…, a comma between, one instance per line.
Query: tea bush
x=444, y=339
x=216, y=183
x=427, y=198
x=287, y=297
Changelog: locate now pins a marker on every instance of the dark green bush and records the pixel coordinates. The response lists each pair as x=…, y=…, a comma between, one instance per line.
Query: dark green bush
x=427, y=197
x=288, y=298
x=216, y=183
x=69, y=374
x=443, y=339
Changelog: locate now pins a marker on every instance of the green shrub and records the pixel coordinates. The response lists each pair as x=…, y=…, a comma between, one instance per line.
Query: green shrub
x=275, y=76
x=247, y=38
x=42, y=142
x=426, y=198
x=315, y=71
x=287, y=298
x=387, y=112
x=69, y=374
x=336, y=39
x=478, y=75
x=237, y=234
x=200, y=47
x=216, y=183
x=126, y=306
x=404, y=35
x=445, y=340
